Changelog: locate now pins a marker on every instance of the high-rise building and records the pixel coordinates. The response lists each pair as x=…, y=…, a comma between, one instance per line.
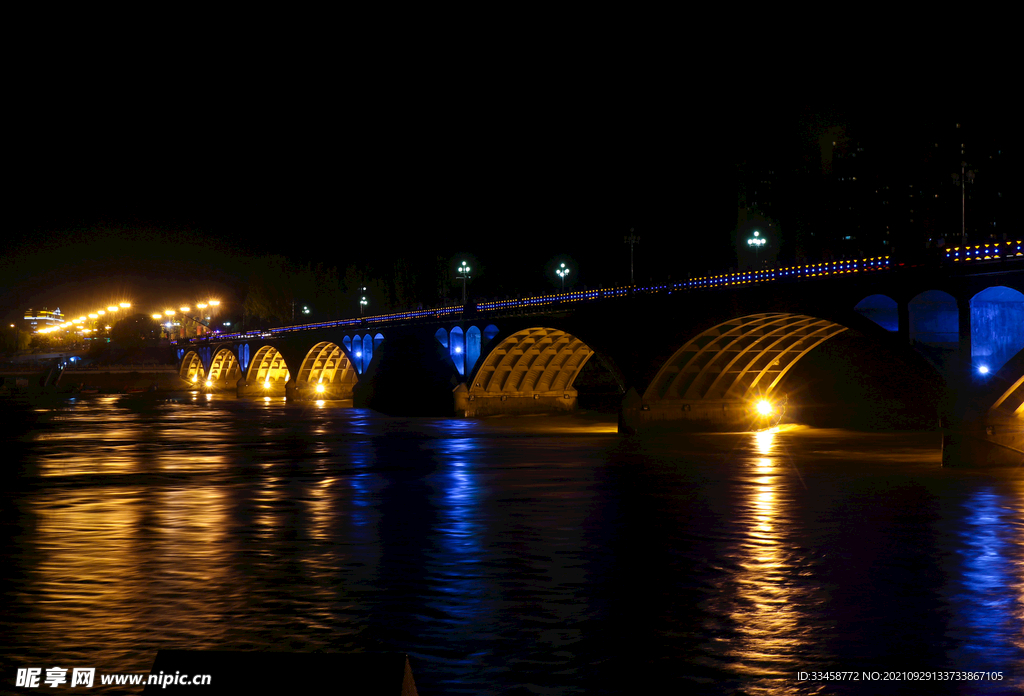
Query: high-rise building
x=892, y=188
x=933, y=184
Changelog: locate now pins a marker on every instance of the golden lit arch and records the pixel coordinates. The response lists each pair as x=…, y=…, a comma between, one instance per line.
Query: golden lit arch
x=224, y=366
x=740, y=358
x=1012, y=400
x=531, y=361
x=268, y=366
x=192, y=368
x=327, y=363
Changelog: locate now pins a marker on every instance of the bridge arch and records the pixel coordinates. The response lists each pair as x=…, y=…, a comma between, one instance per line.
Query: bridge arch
x=464, y=347
x=880, y=309
x=327, y=371
x=537, y=364
x=739, y=359
x=268, y=371
x=225, y=369
x=191, y=369
x=997, y=327
x=1005, y=393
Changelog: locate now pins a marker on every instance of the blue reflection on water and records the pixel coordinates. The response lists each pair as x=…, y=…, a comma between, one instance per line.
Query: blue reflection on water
x=458, y=530
x=990, y=633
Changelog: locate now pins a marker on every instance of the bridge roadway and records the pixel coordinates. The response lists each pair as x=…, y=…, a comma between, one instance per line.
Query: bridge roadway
x=693, y=355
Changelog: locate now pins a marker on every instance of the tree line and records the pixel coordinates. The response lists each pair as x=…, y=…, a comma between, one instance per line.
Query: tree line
x=281, y=290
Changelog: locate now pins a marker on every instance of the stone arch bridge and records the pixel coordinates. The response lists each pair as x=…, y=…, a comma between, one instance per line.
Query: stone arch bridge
x=696, y=354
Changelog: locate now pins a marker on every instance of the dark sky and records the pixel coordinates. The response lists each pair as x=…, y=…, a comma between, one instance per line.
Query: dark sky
x=163, y=190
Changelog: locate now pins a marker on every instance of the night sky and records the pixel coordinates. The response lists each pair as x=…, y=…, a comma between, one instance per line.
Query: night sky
x=163, y=192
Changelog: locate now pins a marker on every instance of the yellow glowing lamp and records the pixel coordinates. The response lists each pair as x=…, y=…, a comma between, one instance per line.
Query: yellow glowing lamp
x=201, y=305
x=184, y=308
x=764, y=407
x=157, y=316
x=112, y=308
x=126, y=305
x=266, y=385
x=209, y=383
x=94, y=316
x=169, y=312
x=320, y=388
x=215, y=303
x=195, y=379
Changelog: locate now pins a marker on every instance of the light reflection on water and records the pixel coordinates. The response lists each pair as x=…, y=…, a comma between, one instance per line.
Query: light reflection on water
x=990, y=613
x=545, y=555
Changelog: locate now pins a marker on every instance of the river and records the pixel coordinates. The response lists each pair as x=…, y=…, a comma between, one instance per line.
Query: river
x=538, y=555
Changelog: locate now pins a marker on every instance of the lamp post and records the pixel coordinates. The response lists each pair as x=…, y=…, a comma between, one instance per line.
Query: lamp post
x=201, y=306
x=631, y=239
x=963, y=178
x=562, y=272
x=464, y=274
x=215, y=304
x=362, y=300
x=757, y=241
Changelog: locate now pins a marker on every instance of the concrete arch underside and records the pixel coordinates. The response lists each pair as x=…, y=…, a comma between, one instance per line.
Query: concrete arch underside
x=531, y=370
x=327, y=372
x=192, y=370
x=1009, y=385
x=268, y=373
x=716, y=377
x=224, y=369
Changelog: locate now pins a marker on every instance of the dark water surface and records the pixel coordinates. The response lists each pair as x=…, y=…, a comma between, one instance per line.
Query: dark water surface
x=529, y=556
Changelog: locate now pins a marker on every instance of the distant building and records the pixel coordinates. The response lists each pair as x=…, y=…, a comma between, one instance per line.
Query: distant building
x=882, y=191
x=756, y=207
x=40, y=318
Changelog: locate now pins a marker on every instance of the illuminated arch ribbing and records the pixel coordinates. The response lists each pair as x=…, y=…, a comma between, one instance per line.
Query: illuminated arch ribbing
x=326, y=363
x=531, y=361
x=1012, y=400
x=741, y=358
x=268, y=365
x=192, y=368
x=224, y=366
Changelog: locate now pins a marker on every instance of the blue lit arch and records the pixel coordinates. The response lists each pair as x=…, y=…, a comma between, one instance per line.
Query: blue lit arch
x=997, y=326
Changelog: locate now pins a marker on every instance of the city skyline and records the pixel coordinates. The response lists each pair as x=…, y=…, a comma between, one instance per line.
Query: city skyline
x=183, y=230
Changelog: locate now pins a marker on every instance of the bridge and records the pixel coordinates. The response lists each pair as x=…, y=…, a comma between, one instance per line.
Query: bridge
x=698, y=354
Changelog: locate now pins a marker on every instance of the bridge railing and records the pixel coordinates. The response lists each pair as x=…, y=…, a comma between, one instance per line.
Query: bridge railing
x=984, y=252
x=995, y=251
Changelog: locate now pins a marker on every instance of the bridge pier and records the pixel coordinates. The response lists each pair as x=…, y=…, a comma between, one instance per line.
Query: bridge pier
x=244, y=388
x=308, y=391
x=996, y=440
x=685, y=415
x=476, y=405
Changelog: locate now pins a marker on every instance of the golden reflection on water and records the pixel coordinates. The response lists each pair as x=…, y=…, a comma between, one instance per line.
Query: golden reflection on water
x=83, y=575
x=766, y=618
x=107, y=554
x=320, y=498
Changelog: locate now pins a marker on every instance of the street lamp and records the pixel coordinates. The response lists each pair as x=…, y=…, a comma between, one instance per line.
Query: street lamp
x=215, y=304
x=631, y=240
x=464, y=274
x=362, y=301
x=562, y=272
x=757, y=241
x=200, y=306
